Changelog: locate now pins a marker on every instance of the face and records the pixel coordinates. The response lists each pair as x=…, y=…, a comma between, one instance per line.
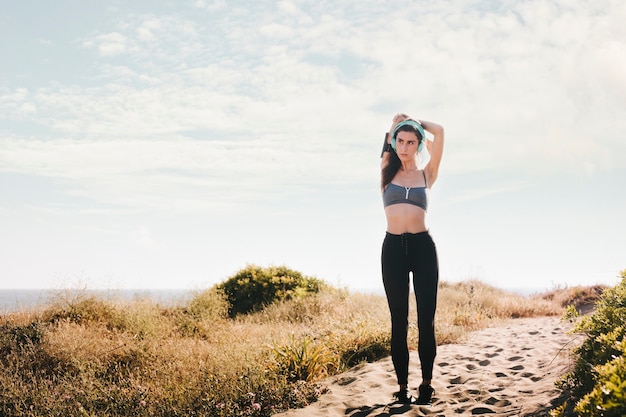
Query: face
x=406, y=145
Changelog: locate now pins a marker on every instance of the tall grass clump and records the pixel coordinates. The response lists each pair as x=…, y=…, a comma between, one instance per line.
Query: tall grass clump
x=597, y=385
x=473, y=305
x=201, y=314
x=581, y=299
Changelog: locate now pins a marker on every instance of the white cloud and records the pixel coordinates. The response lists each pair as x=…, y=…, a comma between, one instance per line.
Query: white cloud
x=177, y=174
x=28, y=108
x=214, y=5
x=108, y=44
x=276, y=31
x=145, y=31
x=12, y=97
x=149, y=41
x=609, y=60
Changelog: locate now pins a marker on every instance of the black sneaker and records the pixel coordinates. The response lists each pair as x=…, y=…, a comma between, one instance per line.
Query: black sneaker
x=403, y=396
x=426, y=395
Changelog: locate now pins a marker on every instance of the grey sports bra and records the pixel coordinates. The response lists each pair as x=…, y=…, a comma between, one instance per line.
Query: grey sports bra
x=397, y=194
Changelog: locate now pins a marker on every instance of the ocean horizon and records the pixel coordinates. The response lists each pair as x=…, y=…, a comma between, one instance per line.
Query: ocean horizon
x=14, y=300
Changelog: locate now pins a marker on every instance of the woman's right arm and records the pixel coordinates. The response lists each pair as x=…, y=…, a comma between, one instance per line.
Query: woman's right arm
x=400, y=117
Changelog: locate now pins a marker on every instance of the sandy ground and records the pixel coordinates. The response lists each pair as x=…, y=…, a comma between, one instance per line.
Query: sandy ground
x=505, y=371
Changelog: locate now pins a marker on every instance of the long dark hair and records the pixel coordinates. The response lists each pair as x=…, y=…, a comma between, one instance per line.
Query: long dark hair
x=394, y=163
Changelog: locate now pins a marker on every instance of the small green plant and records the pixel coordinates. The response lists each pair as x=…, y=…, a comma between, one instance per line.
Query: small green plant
x=364, y=346
x=571, y=314
x=254, y=287
x=303, y=360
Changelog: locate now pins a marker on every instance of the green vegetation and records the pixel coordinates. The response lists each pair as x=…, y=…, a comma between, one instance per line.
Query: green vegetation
x=253, y=288
x=597, y=385
x=86, y=356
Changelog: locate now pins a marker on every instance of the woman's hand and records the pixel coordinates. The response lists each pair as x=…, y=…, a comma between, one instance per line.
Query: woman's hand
x=400, y=117
x=397, y=119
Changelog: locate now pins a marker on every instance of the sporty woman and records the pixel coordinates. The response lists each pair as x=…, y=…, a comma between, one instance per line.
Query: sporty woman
x=408, y=247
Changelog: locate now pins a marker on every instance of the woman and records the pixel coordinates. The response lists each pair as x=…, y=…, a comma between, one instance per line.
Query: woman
x=408, y=246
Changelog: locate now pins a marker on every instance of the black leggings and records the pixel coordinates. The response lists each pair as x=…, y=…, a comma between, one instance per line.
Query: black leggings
x=402, y=254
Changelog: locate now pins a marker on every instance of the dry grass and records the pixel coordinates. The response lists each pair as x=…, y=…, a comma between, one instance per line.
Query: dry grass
x=86, y=356
x=582, y=298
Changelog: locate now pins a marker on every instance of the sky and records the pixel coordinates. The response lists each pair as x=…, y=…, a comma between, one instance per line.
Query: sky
x=169, y=144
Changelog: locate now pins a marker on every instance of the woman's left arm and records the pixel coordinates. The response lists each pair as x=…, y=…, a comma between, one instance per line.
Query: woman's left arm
x=435, y=149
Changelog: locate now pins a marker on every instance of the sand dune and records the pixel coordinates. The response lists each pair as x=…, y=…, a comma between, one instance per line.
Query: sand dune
x=505, y=371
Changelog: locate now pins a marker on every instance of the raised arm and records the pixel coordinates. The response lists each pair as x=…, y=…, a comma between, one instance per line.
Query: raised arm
x=400, y=117
x=435, y=149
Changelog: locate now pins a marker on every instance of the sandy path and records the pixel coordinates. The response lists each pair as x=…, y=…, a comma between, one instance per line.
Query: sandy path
x=506, y=371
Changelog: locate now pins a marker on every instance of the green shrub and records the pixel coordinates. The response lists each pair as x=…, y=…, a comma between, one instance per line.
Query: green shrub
x=608, y=397
x=254, y=287
x=599, y=375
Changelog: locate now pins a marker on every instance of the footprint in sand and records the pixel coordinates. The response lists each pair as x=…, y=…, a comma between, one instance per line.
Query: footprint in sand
x=482, y=410
x=497, y=402
x=517, y=368
x=346, y=381
x=458, y=380
x=515, y=358
x=484, y=362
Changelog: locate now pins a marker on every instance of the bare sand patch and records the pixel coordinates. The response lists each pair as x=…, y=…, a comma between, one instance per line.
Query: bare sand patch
x=508, y=370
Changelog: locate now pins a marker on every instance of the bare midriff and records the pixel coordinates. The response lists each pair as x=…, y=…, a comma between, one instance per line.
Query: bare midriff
x=405, y=218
